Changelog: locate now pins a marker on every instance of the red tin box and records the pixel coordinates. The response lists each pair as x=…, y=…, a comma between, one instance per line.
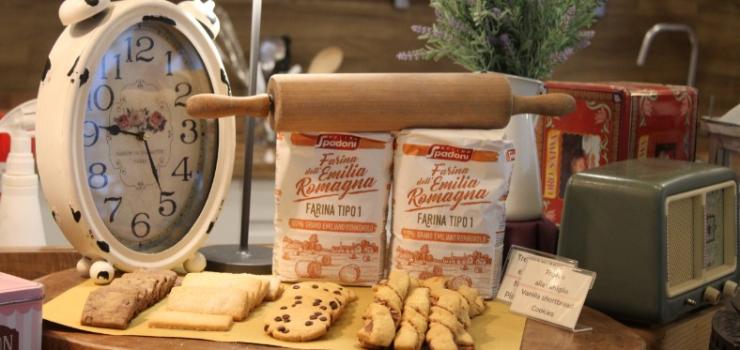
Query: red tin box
x=612, y=122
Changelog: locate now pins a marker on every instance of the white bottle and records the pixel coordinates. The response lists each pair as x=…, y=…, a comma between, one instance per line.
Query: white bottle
x=20, y=210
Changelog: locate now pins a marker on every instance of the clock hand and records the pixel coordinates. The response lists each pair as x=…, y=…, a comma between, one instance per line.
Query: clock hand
x=115, y=130
x=151, y=164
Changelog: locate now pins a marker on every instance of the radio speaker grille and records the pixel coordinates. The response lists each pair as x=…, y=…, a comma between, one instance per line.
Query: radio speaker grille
x=680, y=241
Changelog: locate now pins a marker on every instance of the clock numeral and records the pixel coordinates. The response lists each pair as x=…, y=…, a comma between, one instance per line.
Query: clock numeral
x=145, y=43
x=97, y=178
x=186, y=175
x=169, y=63
x=91, y=137
x=115, y=208
x=167, y=206
x=140, y=228
x=186, y=89
x=104, y=68
x=101, y=98
x=193, y=128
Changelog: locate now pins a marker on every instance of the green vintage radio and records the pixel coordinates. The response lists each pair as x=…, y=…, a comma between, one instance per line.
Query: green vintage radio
x=661, y=234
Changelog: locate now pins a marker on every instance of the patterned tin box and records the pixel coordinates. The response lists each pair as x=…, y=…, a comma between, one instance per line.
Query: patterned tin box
x=612, y=122
x=20, y=313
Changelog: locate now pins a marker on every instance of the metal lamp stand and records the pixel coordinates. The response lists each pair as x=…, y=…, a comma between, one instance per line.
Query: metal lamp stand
x=243, y=257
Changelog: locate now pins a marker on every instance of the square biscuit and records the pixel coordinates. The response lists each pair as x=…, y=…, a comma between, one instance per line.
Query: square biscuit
x=248, y=283
x=209, y=300
x=110, y=307
x=189, y=321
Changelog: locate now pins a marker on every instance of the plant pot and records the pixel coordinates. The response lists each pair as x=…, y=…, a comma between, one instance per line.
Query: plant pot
x=525, y=194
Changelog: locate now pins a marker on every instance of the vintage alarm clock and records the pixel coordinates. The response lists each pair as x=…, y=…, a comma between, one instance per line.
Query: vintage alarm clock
x=661, y=234
x=132, y=180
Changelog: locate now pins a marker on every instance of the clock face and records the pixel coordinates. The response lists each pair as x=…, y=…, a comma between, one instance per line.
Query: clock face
x=149, y=166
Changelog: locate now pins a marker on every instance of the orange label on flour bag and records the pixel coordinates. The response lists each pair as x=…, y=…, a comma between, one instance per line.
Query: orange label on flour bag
x=331, y=206
x=448, y=204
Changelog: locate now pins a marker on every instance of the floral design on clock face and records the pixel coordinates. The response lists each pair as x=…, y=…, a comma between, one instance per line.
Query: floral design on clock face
x=149, y=165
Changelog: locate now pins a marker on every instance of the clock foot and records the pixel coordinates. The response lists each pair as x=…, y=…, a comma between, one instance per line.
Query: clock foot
x=102, y=272
x=195, y=264
x=83, y=267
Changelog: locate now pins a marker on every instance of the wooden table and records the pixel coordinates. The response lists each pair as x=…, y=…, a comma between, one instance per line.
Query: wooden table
x=607, y=333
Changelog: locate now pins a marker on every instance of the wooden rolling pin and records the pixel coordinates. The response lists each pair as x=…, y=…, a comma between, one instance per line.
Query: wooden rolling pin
x=383, y=102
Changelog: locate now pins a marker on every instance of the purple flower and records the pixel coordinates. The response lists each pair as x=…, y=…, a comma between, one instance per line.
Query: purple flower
x=584, y=38
x=420, y=29
x=505, y=42
x=562, y=56
x=567, y=17
x=413, y=55
x=497, y=12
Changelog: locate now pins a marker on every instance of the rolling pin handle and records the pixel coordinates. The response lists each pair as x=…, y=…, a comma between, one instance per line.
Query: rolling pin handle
x=216, y=106
x=555, y=104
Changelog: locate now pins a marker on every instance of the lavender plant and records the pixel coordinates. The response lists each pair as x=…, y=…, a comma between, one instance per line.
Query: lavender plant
x=520, y=37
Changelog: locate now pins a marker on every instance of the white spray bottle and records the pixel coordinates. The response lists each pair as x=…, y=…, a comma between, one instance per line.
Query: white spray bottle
x=20, y=211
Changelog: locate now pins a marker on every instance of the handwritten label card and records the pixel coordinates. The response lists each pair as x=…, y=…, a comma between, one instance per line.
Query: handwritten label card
x=518, y=258
x=552, y=294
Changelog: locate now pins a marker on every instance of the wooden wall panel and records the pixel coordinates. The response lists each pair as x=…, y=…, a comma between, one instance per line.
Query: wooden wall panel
x=371, y=32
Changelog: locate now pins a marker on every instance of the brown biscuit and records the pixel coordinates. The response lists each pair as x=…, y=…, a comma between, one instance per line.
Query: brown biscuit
x=300, y=323
x=110, y=307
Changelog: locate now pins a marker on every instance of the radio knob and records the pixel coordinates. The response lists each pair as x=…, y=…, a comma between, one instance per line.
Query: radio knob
x=729, y=288
x=711, y=295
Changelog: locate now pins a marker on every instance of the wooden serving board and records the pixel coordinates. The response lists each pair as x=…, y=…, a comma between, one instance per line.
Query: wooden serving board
x=607, y=333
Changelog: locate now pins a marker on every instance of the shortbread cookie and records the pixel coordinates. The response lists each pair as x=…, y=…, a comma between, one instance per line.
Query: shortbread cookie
x=189, y=321
x=302, y=322
x=379, y=328
x=248, y=283
x=274, y=286
x=110, y=307
x=215, y=301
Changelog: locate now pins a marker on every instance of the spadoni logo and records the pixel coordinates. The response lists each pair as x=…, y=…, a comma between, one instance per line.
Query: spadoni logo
x=8, y=338
x=450, y=153
x=338, y=141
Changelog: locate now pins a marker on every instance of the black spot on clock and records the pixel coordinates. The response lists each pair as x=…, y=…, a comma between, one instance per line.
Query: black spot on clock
x=225, y=80
x=47, y=67
x=208, y=31
x=103, y=275
x=72, y=69
x=92, y=3
x=163, y=19
x=103, y=246
x=210, y=227
x=54, y=215
x=76, y=214
x=84, y=76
